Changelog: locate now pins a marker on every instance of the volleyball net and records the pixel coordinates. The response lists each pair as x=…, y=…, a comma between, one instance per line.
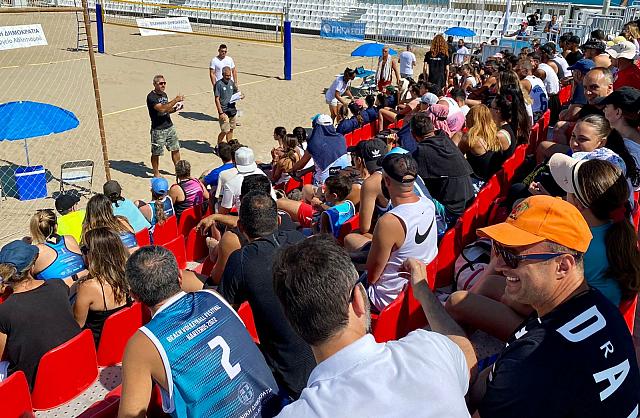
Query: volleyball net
x=197, y=17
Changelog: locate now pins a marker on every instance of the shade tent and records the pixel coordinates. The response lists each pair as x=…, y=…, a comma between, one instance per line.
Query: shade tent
x=370, y=50
x=25, y=119
x=460, y=32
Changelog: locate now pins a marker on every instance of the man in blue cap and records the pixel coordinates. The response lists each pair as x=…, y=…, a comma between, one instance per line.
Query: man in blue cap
x=35, y=318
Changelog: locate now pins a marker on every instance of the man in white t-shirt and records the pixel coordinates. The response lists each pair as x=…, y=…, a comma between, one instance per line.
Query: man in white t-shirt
x=218, y=63
x=462, y=54
x=407, y=62
x=422, y=375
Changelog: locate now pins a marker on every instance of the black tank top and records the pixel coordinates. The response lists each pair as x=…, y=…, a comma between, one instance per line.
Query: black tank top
x=95, y=319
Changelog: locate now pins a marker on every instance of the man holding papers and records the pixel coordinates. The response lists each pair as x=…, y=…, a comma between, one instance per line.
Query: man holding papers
x=226, y=95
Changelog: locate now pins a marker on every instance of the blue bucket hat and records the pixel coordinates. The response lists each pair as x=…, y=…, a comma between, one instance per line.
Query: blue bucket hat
x=19, y=254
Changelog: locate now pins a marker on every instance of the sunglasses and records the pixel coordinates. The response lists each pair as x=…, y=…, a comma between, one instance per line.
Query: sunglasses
x=513, y=260
x=162, y=83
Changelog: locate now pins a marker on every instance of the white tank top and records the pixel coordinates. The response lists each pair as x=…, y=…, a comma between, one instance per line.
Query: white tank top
x=538, y=94
x=421, y=242
x=551, y=82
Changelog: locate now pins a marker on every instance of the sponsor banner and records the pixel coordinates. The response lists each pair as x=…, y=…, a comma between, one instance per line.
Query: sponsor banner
x=342, y=30
x=176, y=24
x=22, y=36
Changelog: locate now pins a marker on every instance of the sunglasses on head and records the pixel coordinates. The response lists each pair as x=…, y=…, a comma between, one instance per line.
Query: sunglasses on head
x=513, y=260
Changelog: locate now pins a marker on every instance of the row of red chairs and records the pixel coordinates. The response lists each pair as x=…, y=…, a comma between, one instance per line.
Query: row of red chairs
x=66, y=371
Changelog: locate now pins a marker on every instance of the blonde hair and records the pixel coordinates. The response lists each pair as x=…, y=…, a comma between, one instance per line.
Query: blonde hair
x=439, y=46
x=482, y=128
x=42, y=225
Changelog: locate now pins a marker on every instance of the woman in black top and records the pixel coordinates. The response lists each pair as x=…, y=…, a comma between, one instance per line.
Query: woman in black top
x=436, y=69
x=104, y=291
x=36, y=317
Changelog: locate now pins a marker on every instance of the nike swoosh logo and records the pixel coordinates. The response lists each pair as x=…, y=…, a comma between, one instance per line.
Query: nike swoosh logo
x=421, y=237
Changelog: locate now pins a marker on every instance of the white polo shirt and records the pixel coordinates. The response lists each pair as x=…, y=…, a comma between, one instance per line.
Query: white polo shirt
x=422, y=375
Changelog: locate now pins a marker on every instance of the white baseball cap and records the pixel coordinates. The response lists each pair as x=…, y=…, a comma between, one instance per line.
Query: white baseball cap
x=623, y=49
x=245, y=160
x=324, y=120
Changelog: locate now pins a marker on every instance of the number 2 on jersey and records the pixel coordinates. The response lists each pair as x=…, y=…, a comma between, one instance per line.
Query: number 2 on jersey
x=232, y=370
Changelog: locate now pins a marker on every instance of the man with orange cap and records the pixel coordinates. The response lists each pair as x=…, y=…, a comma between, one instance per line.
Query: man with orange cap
x=574, y=355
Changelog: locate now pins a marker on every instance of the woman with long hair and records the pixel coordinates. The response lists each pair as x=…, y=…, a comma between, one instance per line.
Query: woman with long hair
x=187, y=191
x=36, y=316
x=436, y=63
x=104, y=291
x=99, y=214
x=59, y=256
x=284, y=159
x=611, y=263
x=510, y=79
x=482, y=145
x=160, y=207
x=510, y=116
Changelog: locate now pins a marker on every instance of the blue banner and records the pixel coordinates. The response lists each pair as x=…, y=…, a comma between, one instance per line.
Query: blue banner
x=350, y=31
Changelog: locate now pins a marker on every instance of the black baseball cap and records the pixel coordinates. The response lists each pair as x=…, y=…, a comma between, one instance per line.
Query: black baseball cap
x=400, y=167
x=594, y=43
x=549, y=48
x=370, y=151
x=65, y=201
x=623, y=98
x=112, y=189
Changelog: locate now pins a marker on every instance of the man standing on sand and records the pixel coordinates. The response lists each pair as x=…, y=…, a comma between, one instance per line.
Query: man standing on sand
x=218, y=63
x=224, y=89
x=163, y=134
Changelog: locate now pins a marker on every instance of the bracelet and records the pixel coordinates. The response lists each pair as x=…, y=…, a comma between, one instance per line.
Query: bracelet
x=74, y=277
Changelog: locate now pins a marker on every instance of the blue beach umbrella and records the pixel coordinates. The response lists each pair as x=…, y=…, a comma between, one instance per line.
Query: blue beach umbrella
x=459, y=31
x=23, y=120
x=370, y=50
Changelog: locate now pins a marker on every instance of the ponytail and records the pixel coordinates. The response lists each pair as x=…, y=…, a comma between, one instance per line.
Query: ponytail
x=159, y=209
x=623, y=255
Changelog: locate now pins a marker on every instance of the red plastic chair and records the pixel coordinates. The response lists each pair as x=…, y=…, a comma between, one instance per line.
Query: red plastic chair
x=15, y=401
x=205, y=268
x=628, y=311
x=511, y=165
x=106, y=408
x=189, y=219
x=291, y=185
x=533, y=139
x=367, y=131
x=348, y=227
x=636, y=210
x=143, y=238
x=196, y=246
x=307, y=178
x=176, y=246
x=485, y=198
x=544, y=125
x=374, y=127
x=246, y=314
x=404, y=314
x=117, y=330
x=467, y=224
x=65, y=372
x=448, y=251
x=165, y=232
x=348, y=138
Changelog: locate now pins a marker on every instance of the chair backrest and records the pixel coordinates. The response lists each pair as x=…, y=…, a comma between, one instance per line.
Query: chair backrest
x=188, y=219
x=348, y=227
x=246, y=314
x=404, y=314
x=467, y=224
x=65, y=372
x=196, y=246
x=448, y=251
x=117, y=330
x=628, y=311
x=533, y=138
x=15, y=400
x=291, y=185
x=485, y=198
x=143, y=238
x=165, y=232
x=176, y=246
x=77, y=171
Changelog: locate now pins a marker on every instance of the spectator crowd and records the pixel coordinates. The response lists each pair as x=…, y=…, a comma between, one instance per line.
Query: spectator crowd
x=330, y=232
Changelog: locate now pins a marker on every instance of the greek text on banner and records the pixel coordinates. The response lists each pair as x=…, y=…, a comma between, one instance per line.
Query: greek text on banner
x=23, y=36
x=173, y=24
x=342, y=30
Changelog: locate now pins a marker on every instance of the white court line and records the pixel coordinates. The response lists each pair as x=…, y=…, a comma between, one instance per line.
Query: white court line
x=35, y=64
x=243, y=84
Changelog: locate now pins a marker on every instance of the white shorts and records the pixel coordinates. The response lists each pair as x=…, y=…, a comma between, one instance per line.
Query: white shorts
x=332, y=102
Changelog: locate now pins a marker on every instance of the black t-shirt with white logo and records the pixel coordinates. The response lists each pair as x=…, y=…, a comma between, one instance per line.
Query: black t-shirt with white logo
x=576, y=361
x=159, y=120
x=437, y=65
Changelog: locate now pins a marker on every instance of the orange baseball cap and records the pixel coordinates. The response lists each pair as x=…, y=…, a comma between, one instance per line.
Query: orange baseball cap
x=540, y=218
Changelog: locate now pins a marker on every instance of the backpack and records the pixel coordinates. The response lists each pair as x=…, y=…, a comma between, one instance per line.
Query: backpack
x=471, y=263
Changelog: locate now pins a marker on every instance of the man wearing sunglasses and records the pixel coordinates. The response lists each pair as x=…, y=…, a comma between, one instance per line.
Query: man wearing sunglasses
x=574, y=355
x=163, y=133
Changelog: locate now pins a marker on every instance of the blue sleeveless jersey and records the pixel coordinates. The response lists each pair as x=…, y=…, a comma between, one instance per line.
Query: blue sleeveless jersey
x=128, y=239
x=213, y=367
x=67, y=263
x=340, y=214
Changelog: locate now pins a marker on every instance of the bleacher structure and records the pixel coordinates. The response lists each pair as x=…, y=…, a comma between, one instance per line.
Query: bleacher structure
x=417, y=23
